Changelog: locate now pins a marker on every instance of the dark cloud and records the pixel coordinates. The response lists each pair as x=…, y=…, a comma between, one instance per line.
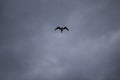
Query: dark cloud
x=30, y=49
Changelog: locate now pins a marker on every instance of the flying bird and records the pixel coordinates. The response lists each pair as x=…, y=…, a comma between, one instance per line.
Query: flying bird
x=61, y=28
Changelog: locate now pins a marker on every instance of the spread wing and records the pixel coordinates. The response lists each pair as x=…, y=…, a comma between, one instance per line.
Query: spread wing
x=57, y=28
x=66, y=28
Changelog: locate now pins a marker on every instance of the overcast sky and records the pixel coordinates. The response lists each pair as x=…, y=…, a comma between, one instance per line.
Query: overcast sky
x=30, y=49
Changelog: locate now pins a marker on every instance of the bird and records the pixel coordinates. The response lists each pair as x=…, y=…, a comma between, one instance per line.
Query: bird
x=61, y=28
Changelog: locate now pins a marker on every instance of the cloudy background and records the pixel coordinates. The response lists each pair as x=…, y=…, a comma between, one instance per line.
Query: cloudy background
x=30, y=49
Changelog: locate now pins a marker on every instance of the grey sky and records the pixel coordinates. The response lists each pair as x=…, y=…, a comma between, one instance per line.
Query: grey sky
x=30, y=49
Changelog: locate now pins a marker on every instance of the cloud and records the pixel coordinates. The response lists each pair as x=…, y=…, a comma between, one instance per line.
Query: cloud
x=31, y=50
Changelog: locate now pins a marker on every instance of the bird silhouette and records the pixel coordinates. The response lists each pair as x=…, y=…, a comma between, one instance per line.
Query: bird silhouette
x=61, y=28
